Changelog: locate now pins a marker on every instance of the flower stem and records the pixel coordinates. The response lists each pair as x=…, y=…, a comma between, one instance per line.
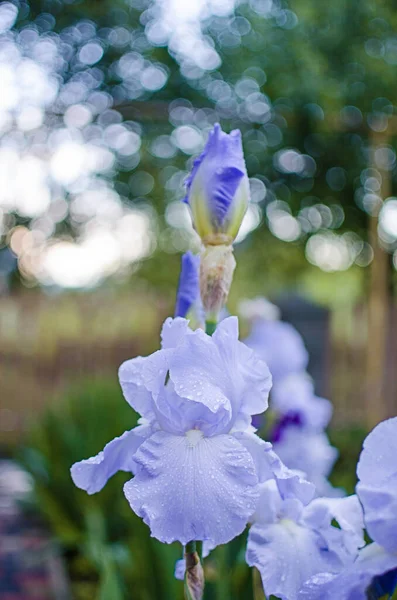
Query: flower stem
x=210, y=327
x=257, y=585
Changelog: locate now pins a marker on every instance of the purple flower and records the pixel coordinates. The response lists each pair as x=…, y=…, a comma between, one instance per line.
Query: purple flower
x=188, y=294
x=377, y=492
x=196, y=461
x=295, y=394
x=377, y=486
x=218, y=188
x=280, y=346
x=289, y=542
x=354, y=582
x=310, y=452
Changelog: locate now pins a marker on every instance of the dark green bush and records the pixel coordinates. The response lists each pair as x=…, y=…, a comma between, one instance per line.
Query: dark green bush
x=109, y=551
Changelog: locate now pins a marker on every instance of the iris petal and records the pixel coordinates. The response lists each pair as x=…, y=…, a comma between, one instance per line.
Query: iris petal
x=353, y=582
x=286, y=555
x=193, y=488
x=93, y=473
x=377, y=488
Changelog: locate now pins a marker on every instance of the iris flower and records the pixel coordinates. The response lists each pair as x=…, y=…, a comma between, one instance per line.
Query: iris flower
x=279, y=345
x=289, y=542
x=374, y=573
x=196, y=461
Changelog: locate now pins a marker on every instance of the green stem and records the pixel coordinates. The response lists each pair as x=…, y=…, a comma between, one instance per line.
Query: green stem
x=190, y=547
x=223, y=575
x=210, y=327
x=257, y=585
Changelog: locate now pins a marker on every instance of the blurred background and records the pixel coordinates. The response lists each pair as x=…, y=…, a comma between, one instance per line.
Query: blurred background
x=103, y=106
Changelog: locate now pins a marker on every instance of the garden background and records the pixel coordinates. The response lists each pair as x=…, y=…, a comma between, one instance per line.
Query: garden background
x=103, y=106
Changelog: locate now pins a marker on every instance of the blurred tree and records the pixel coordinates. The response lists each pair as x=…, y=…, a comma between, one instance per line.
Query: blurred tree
x=143, y=81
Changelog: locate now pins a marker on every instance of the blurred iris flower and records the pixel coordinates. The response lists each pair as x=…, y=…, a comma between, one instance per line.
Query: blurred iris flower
x=196, y=459
x=301, y=416
x=217, y=190
x=289, y=542
x=279, y=345
x=374, y=573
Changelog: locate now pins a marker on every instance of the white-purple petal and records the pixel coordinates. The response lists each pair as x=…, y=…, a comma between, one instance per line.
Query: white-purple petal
x=93, y=473
x=193, y=487
x=134, y=389
x=291, y=484
x=377, y=487
x=286, y=555
x=353, y=582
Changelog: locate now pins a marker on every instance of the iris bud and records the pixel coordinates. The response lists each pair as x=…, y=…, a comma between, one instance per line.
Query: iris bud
x=218, y=188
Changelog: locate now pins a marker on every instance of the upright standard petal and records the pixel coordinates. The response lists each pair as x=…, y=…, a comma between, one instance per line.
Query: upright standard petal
x=173, y=332
x=134, y=388
x=118, y=455
x=220, y=368
x=188, y=293
x=377, y=487
x=192, y=487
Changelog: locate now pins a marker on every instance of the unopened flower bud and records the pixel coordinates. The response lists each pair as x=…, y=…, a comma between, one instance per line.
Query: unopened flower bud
x=194, y=577
x=216, y=275
x=218, y=188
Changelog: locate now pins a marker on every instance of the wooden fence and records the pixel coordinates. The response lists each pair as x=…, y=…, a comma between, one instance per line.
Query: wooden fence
x=29, y=381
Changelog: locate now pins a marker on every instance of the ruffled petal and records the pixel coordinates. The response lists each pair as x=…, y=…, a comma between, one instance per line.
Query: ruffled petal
x=198, y=374
x=286, y=555
x=346, y=511
x=118, y=455
x=353, y=582
x=133, y=385
x=377, y=488
x=250, y=375
x=291, y=484
x=173, y=332
x=257, y=381
x=193, y=488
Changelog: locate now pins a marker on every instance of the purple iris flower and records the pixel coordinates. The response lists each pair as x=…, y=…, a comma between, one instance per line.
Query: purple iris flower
x=217, y=190
x=377, y=492
x=196, y=461
x=289, y=543
x=308, y=451
x=295, y=394
x=290, y=418
x=188, y=294
x=280, y=346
